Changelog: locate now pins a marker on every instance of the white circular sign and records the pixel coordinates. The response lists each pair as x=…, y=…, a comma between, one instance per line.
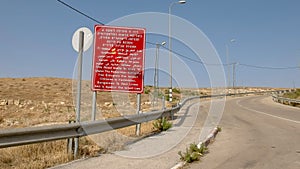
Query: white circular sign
x=88, y=39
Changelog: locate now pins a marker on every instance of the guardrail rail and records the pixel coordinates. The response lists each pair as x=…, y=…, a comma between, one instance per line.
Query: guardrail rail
x=284, y=100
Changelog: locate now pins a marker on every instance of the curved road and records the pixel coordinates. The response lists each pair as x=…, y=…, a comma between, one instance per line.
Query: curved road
x=256, y=134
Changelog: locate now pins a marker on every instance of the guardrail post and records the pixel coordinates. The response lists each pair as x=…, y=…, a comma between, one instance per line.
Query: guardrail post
x=138, y=109
x=172, y=112
x=70, y=143
x=163, y=103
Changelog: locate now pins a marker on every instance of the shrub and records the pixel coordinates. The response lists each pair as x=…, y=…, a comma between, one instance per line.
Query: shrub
x=219, y=129
x=167, y=97
x=162, y=124
x=292, y=95
x=147, y=91
x=193, y=153
x=176, y=90
x=160, y=94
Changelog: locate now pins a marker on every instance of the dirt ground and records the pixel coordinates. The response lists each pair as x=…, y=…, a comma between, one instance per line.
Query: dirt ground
x=38, y=101
x=26, y=102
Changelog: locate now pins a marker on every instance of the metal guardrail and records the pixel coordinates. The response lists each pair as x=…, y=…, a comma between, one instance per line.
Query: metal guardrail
x=22, y=136
x=283, y=100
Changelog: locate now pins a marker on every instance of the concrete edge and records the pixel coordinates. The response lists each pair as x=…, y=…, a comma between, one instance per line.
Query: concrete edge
x=179, y=165
x=209, y=139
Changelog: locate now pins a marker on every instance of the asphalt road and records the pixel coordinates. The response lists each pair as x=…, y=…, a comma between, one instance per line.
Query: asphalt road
x=256, y=134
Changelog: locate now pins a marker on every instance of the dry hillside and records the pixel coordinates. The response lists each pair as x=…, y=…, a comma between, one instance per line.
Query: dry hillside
x=28, y=102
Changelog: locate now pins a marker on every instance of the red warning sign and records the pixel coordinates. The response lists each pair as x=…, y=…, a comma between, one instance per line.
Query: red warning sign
x=118, y=61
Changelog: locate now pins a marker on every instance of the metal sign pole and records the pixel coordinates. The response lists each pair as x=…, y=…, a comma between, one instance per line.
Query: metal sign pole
x=80, y=52
x=138, y=109
x=94, y=106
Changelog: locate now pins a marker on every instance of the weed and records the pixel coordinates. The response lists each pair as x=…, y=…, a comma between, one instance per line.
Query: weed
x=193, y=153
x=160, y=95
x=46, y=109
x=162, y=124
x=166, y=91
x=167, y=97
x=147, y=91
x=292, y=95
x=176, y=90
x=219, y=129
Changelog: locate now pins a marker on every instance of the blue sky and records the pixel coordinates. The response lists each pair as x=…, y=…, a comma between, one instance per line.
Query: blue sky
x=36, y=35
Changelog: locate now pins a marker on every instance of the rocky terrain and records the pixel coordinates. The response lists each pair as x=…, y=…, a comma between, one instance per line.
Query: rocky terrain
x=38, y=101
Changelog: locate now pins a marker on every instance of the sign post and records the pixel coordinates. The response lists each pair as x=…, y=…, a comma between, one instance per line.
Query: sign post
x=138, y=110
x=81, y=41
x=80, y=51
x=94, y=106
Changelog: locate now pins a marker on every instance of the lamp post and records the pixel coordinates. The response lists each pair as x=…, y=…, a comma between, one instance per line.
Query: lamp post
x=227, y=60
x=170, y=45
x=156, y=70
x=234, y=82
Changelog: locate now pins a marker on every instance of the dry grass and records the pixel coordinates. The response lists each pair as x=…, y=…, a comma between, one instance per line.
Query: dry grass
x=39, y=101
x=26, y=102
x=40, y=155
x=293, y=95
x=47, y=154
x=43, y=155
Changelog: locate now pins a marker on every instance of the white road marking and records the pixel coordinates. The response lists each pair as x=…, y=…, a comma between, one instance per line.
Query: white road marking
x=256, y=111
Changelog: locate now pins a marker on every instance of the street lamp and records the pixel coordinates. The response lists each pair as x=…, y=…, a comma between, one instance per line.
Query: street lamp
x=227, y=60
x=170, y=45
x=156, y=64
x=234, y=74
x=156, y=70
